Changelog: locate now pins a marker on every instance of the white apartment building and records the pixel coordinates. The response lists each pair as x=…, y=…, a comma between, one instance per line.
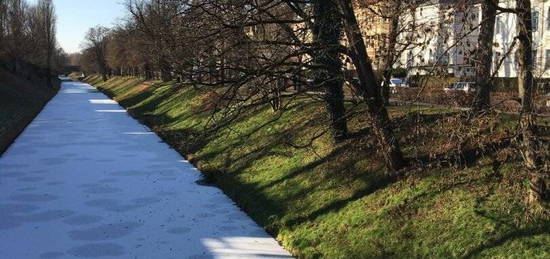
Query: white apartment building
x=443, y=34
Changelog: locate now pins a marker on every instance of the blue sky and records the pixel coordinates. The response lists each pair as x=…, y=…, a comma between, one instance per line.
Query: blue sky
x=75, y=17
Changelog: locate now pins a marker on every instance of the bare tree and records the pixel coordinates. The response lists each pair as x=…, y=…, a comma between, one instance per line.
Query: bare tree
x=15, y=44
x=96, y=40
x=158, y=21
x=393, y=12
x=250, y=53
x=327, y=33
x=28, y=45
x=484, y=57
x=44, y=19
x=526, y=85
x=369, y=89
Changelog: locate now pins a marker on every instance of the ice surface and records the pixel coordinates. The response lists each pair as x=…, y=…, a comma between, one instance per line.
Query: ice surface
x=85, y=180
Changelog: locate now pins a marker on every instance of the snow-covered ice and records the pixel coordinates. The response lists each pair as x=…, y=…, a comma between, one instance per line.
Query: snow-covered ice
x=86, y=180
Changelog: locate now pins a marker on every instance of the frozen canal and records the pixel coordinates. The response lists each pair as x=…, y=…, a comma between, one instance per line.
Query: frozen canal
x=86, y=180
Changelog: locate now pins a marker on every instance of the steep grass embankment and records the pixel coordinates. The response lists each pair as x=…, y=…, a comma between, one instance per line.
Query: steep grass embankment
x=326, y=201
x=20, y=101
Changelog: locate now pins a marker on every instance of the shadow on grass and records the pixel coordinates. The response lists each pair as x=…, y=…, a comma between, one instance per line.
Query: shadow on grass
x=339, y=161
x=465, y=158
x=135, y=99
x=310, y=166
x=513, y=235
x=335, y=206
x=266, y=142
x=145, y=97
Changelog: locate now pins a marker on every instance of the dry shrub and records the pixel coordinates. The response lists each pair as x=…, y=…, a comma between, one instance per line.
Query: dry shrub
x=503, y=101
x=433, y=96
x=506, y=101
x=543, y=104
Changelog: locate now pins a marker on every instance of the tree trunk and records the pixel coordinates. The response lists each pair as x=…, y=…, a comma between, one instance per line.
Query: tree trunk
x=327, y=32
x=393, y=6
x=484, y=59
x=530, y=145
x=166, y=75
x=369, y=89
x=147, y=70
x=165, y=71
x=104, y=74
x=103, y=69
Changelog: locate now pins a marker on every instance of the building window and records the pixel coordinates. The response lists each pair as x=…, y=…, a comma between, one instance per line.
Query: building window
x=445, y=58
x=535, y=20
x=547, y=62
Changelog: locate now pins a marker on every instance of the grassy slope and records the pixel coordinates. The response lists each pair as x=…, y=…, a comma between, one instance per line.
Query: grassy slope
x=20, y=102
x=330, y=202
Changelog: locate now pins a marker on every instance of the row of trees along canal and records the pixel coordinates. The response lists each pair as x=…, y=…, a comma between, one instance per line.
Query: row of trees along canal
x=28, y=45
x=272, y=51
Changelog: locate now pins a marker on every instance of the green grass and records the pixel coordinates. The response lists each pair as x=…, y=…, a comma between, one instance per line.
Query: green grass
x=20, y=102
x=331, y=201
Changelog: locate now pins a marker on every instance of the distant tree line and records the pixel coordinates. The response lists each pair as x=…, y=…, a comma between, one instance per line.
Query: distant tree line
x=28, y=45
x=273, y=51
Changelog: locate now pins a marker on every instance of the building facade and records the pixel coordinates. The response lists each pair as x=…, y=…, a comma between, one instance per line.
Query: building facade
x=373, y=19
x=442, y=39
